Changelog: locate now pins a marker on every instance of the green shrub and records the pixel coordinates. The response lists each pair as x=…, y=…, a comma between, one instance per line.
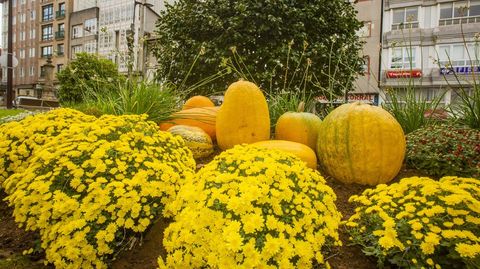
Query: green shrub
x=87, y=75
x=420, y=223
x=441, y=150
x=135, y=97
x=282, y=33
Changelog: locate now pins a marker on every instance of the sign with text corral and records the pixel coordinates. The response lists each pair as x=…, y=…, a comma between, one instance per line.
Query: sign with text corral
x=368, y=98
x=459, y=70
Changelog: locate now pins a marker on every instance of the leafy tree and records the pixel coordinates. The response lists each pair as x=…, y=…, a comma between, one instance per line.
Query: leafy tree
x=280, y=45
x=87, y=75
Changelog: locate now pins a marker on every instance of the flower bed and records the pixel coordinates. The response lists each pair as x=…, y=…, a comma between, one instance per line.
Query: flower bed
x=93, y=189
x=254, y=208
x=420, y=223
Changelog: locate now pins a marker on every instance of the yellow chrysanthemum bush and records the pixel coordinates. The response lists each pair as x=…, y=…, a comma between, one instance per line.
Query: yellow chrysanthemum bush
x=94, y=189
x=252, y=208
x=19, y=139
x=420, y=223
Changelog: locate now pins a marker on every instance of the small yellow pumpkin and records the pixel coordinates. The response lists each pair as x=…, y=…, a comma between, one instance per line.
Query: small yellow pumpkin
x=198, y=101
x=195, y=138
x=302, y=151
x=360, y=143
x=243, y=116
x=301, y=127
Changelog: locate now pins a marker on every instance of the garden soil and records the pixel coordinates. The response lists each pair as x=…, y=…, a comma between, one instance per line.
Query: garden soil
x=144, y=253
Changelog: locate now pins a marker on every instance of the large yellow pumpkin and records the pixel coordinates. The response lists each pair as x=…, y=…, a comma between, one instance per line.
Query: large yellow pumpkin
x=198, y=101
x=302, y=151
x=301, y=127
x=201, y=117
x=360, y=143
x=243, y=116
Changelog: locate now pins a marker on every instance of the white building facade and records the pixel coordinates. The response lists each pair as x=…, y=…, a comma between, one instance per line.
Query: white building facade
x=433, y=45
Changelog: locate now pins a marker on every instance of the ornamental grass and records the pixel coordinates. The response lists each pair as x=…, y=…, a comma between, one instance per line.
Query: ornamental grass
x=420, y=223
x=94, y=189
x=253, y=208
x=20, y=139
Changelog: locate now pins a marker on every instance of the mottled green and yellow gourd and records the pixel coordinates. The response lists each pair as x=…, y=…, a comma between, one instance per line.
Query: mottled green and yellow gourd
x=197, y=140
x=360, y=143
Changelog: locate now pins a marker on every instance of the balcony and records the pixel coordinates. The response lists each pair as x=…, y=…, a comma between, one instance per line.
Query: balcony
x=47, y=18
x=45, y=56
x=463, y=20
x=60, y=14
x=59, y=35
x=60, y=53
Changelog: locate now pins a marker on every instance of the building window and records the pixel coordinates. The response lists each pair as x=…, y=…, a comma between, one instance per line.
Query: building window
x=32, y=15
x=61, y=31
x=47, y=51
x=403, y=58
x=459, y=55
x=61, y=11
x=47, y=32
x=91, y=47
x=405, y=18
x=59, y=67
x=459, y=12
x=32, y=34
x=23, y=18
x=60, y=49
x=77, y=31
x=22, y=53
x=47, y=12
x=32, y=52
x=22, y=36
x=32, y=71
x=75, y=50
x=22, y=72
x=91, y=26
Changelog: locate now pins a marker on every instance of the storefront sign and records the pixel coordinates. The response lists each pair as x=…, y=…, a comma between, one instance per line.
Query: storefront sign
x=369, y=98
x=404, y=74
x=459, y=70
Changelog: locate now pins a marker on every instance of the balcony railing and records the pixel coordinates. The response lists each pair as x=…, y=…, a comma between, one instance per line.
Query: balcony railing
x=454, y=21
x=47, y=18
x=60, y=53
x=47, y=56
x=59, y=35
x=406, y=25
x=60, y=14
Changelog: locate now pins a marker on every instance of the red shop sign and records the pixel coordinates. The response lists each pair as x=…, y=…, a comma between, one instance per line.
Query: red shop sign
x=404, y=73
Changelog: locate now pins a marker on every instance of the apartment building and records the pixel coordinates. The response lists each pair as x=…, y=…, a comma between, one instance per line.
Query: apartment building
x=25, y=44
x=40, y=31
x=366, y=85
x=53, y=41
x=104, y=26
x=84, y=27
x=431, y=44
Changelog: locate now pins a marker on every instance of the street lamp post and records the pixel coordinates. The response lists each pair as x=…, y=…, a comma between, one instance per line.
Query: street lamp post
x=9, y=57
x=139, y=53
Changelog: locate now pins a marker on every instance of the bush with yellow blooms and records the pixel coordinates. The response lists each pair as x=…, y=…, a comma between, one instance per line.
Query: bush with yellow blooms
x=20, y=139
x=93, y=189
x=253, y=208
x=420, y=223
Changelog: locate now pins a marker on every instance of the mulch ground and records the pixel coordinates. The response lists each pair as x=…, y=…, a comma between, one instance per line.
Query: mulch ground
x=14, y=240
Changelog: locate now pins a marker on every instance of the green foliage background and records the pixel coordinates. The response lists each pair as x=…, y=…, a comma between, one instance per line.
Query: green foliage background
x=86, y=75
x=324, y=54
